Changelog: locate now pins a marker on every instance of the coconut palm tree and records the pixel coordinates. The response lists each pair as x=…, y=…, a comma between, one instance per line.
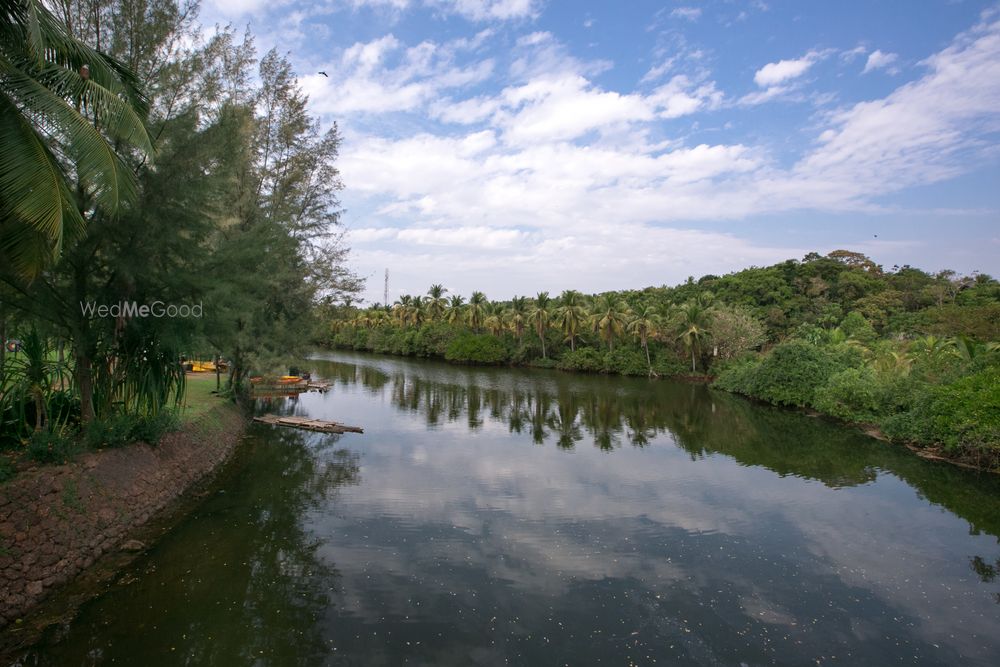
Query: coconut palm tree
x=476, y=310
x=539, y=315
x=417, y=312
x=436, y=303
x=401, y=309
x=66, y=113
x=517, y=316
x=693, y=326
x=644, y=323
x=571, y=315
x=608, y=318
x=454, y=313
x=493, y=319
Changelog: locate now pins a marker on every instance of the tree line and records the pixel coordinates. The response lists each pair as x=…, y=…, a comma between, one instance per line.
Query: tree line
x=912, y=353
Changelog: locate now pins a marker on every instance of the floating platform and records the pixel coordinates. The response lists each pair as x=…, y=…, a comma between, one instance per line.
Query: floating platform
x=321, y=425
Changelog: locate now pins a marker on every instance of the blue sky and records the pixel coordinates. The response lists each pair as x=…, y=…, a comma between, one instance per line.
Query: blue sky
x=515, y=146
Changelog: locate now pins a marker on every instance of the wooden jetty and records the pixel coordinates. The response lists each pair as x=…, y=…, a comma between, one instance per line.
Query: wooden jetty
x=321, y=425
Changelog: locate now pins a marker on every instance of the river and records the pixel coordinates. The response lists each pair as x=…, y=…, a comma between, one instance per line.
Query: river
x=498, y=516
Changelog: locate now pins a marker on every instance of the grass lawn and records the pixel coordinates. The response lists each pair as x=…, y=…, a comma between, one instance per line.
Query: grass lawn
x=198, y=396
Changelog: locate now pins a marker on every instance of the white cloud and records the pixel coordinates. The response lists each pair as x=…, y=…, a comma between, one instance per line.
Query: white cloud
x=927, y=130
x=686, y=13
x=363, y=80
x=784, y=70
x=473, y=10
x=879, y=60
x=483, y=10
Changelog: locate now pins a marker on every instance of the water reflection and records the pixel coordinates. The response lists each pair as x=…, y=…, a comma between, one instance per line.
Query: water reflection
x=497, y=516
x=241, y=583
x=565, y=410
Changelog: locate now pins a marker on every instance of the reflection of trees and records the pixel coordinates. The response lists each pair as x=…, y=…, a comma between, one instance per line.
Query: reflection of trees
x=256, y=587
x=564, y=408
x=986, y=572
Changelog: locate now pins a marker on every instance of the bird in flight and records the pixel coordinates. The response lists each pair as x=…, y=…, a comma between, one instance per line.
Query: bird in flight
x=324, y=74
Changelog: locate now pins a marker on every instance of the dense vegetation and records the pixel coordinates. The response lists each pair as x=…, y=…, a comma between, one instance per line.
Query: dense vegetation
x=911, y=352
x=144, y=164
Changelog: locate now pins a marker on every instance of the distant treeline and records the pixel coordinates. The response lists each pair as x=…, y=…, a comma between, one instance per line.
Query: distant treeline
x=911, y=352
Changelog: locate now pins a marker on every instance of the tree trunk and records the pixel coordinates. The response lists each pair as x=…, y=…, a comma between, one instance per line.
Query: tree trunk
x=645, y=345
x=692, y=361
x=572, y=343
x=85, y=383
x=541, y=337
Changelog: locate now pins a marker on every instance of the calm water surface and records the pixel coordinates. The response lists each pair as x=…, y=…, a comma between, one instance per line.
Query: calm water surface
x=536, y=518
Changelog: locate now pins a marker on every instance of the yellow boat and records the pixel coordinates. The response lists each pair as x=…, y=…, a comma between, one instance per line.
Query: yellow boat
x=203, y=366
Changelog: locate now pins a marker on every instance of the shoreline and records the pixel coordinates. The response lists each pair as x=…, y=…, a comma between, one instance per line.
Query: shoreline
x=927, y=452
x=64, y=527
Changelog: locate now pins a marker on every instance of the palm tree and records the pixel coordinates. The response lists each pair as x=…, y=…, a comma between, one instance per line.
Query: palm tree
x=476, y=310
x=453, y=314
x=417, y=311
x=518, y=316
x=608, y=318
x=539, y=316
x=571, y=315
x=693, y=327
x=65, y=112
x=401, y=309
x=436, y=303
x=493, y=320
x=644, y=323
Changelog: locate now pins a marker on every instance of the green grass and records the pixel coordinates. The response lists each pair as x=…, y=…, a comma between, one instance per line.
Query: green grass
x=198, y=397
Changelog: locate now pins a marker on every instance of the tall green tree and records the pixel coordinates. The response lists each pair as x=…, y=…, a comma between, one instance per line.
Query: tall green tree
x=693, y=321
x=436, y=302
x=642, y=324
x=539, y=316
x=475, y=312
x=571, y=315
x=68, y=112
x=609, y=317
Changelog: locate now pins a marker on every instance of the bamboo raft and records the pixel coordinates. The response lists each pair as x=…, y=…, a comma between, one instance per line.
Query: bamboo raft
x=321, y=425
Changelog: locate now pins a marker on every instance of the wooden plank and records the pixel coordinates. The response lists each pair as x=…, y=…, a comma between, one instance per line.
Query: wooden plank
x=307, y=423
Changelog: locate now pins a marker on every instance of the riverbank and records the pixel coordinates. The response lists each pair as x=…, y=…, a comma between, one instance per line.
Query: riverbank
x=630, y=362
x=57, y=521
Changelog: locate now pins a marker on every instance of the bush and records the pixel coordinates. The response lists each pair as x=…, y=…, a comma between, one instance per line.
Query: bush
x=963, y=415
x=122, y=429
x=432, y=339
x=626, y=361
x=151, y=429
x=585, y=359
x=854, y=394
x=113, y=431
x=737, y=375
x=791, y=373
x=51, y=446
x=476, y=349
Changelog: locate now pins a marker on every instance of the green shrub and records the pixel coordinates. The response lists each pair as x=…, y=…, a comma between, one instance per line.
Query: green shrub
x=585, y=359
x=666, y=363
x=626, y=361
x=113, y=431
x=51, y=446
x=854, y=394
x=151, y=429
x=432, y=339
x=122, y=429
x=791, y=373
x=737, y=375
x=963, y=415
x=476, y=349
